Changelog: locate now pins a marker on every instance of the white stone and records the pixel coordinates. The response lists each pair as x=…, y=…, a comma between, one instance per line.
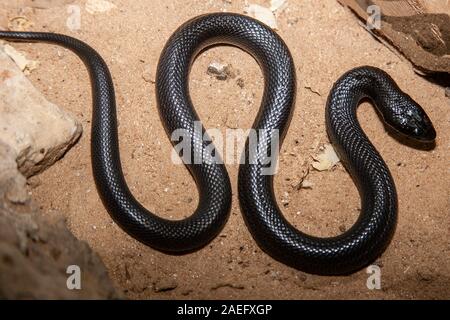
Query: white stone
x=36, y=130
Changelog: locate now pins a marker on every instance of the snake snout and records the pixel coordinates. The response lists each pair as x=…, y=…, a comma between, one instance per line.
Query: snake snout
x=408, y=117
x=424, y=131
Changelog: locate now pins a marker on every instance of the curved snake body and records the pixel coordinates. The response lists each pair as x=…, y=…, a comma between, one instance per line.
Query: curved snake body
x=338, y=255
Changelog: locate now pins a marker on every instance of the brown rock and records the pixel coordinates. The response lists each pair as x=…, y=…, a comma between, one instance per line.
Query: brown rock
x=35, y=254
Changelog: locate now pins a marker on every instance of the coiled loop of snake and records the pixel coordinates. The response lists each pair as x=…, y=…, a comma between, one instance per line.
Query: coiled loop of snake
x=339, y=255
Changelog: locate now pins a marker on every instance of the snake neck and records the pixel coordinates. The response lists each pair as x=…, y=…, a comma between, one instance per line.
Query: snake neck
x=362, y=83
x=354, y=148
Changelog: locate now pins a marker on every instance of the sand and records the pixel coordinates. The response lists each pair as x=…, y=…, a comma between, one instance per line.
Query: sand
x=325, y=40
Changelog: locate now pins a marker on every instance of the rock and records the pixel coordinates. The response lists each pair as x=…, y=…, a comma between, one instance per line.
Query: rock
x=221, y=71
x=20, y=60
x=306, y=184
x=35, y=254
x=447, y=92
x=37, y=131
x=149, y=74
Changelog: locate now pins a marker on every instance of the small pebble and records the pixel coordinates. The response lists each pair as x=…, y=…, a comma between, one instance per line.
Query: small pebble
x=221, y=71
x=149, y=74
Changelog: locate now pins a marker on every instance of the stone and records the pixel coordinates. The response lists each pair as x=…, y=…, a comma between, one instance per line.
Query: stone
x=37, y=256
x=36, y=253
x=37, y=131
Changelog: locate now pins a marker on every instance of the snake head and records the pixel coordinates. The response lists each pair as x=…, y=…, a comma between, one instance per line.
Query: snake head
x=407, y=117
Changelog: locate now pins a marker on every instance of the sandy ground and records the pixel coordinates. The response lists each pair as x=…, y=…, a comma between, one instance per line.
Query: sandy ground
x=325, y=40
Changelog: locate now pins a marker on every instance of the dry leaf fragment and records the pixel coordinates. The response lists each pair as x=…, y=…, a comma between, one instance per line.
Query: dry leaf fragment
x=99, y=6
x=278, y=5
x=263, y=14
x=326, y=160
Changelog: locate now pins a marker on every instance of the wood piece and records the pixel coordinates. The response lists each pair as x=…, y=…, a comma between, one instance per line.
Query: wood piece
x=419, y=29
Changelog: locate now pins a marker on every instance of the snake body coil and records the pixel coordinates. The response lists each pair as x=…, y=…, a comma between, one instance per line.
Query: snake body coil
x=339, y=255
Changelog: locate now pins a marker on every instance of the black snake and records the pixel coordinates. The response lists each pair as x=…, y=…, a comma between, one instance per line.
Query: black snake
x=338, y=255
